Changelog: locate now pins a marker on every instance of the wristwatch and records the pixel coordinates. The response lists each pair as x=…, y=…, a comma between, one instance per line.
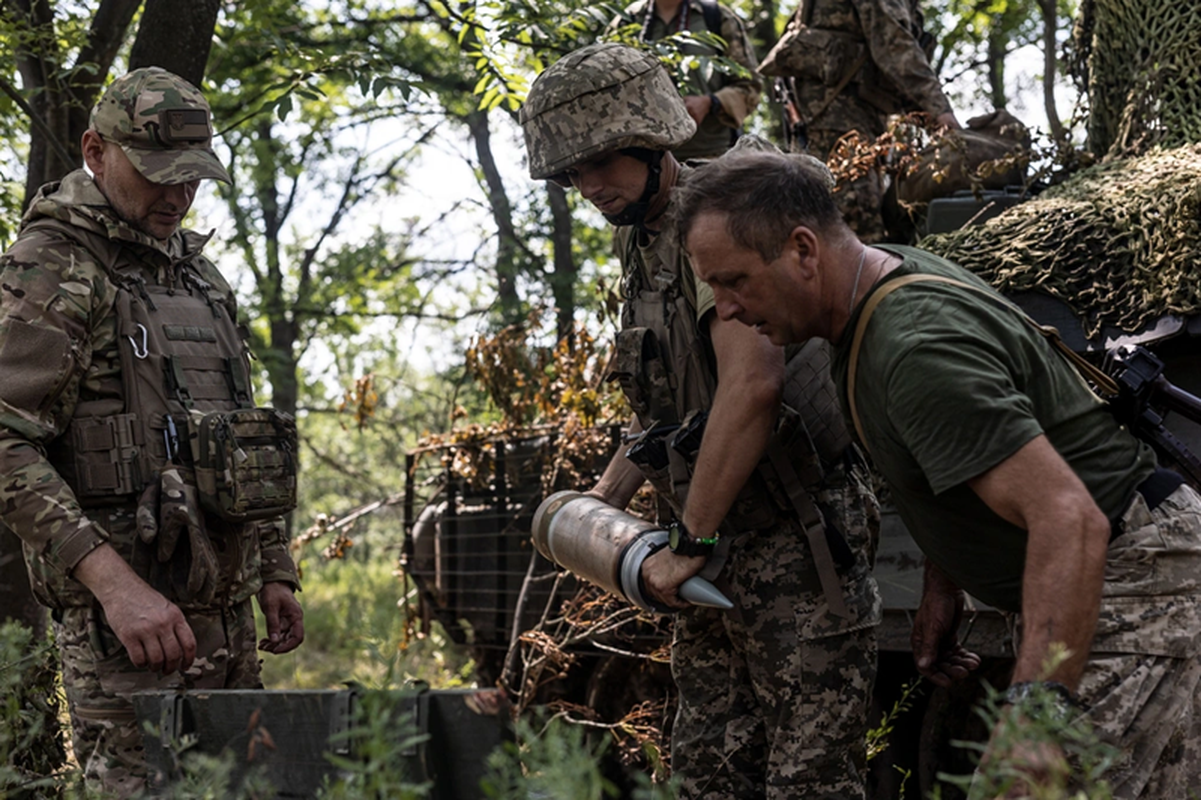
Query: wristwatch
x=683, y=543
x=1059, y=698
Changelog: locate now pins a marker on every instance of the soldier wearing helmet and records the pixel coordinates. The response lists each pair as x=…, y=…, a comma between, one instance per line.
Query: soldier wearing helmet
x=773, y=696
x=119, y=345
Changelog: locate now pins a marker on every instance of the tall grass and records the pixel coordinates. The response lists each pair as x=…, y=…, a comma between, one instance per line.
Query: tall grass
x=356, y=630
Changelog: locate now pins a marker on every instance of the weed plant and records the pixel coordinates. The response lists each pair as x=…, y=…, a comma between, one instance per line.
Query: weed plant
x=32, y=753
x=353, y=628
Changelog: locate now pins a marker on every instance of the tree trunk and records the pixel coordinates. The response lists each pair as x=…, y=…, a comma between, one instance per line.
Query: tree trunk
x=58, y=110
x=507, y=248
x=563, y=278
x=1050, y=53
x=168, y=24
x=997, y=42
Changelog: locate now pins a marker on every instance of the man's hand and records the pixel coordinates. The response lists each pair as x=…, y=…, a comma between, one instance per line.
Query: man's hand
x=935, y=639
x=698, y=106
x=153, y=629
x=285, y=618
x=664, y=572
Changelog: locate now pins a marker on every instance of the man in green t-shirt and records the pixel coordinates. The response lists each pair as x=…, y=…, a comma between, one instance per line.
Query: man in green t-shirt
x=1010, y=473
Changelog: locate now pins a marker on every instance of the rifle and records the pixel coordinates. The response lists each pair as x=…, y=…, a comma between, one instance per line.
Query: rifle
x=1145, y=396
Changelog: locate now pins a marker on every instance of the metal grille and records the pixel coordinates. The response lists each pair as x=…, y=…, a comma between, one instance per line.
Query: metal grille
x=468, y=510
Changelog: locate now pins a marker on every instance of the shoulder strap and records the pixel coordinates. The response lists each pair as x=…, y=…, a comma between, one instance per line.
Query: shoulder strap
x=712, y=16
x=1104, y=383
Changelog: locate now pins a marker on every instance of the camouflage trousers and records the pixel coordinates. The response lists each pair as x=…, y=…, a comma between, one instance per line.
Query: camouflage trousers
x=774, y=695
x=861, y=201
x=1142, y=684
x=99, y=680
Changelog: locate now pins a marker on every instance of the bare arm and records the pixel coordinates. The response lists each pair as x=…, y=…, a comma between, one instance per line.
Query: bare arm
x=1067, y=541
x=153, y=629
x=621, y=479
x=750, y=373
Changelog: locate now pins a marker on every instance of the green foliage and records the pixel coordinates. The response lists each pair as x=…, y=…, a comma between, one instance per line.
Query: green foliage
x=204, y=776
x=31, y=744
x=382, y=737
x=354, y=630
x=553, y=762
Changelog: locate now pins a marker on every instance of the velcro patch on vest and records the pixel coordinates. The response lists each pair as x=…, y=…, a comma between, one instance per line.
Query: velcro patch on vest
x=189, y=333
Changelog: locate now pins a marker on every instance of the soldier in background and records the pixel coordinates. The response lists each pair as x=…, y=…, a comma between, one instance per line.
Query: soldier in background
x=774, y=694
x=846, y=65
x=719, y=103
x=117, y=338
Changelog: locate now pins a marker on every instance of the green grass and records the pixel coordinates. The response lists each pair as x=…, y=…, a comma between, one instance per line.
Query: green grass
x=355, y=631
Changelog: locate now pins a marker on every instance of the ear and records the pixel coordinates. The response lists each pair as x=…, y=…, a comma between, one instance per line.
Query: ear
x=806, y=249
x=93, y=152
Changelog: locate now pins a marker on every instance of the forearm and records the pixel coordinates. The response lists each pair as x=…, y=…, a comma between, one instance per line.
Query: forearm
x=40, y=507
x=277, y=563
x=1061, y=595
x=622, y=478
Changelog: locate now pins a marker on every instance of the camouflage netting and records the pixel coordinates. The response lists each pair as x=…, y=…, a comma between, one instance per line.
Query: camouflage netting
x=1119, y=242
x=1138, y=62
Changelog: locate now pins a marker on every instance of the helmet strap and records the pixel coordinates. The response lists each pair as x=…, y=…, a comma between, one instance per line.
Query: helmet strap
x=635, y=213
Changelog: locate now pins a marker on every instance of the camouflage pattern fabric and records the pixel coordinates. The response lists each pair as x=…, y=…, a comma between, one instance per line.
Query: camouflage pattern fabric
x=58, y=348
x=860, y=201
x=737, y=96
x=100, y=680
x=59, y=354
x=774, y=695
x=163, y=124
x=896, y=68
x=1143, y=680
x=600, y=98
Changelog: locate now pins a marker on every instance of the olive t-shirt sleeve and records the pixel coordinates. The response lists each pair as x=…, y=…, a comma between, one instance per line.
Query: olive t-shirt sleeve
x=954, y=405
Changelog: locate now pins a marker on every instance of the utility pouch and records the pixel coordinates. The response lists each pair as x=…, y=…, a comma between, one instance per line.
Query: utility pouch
x=813, y=54
x=105, y=454
x=245, y=462
x=639, y=369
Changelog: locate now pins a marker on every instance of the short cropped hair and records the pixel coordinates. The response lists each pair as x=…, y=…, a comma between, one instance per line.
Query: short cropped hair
x=764, y=196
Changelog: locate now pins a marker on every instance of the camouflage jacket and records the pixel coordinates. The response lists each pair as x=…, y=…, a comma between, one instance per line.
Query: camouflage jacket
x=58, y=348
x=737, y=96
x=896, y=64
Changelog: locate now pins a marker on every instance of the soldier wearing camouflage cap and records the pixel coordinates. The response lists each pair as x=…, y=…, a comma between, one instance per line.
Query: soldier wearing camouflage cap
x=119, y=348
x=774, y=695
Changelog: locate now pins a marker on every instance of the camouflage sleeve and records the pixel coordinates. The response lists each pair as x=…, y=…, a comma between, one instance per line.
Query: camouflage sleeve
x=897, y=54
x=278, y=565
x=739, y=96
x=50, y=291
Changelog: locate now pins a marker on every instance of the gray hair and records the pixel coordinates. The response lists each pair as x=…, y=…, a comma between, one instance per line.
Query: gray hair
x=764, y=196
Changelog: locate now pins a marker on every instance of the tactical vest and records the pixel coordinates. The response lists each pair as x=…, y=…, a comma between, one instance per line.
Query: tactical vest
x=824, y=43
x=185, y=442
x=666, y=369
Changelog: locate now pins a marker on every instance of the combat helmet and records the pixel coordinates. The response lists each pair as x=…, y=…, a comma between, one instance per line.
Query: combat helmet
x=599, y=98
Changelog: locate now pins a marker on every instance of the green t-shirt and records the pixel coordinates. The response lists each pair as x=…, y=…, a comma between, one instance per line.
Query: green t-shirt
x=950, y=384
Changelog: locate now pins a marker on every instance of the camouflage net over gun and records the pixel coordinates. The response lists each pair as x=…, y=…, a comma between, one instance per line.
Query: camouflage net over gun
x=1137, y=60
x=1119, y=242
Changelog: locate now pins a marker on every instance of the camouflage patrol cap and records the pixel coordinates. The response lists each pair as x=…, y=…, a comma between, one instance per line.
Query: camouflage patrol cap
x=599, y=98
x=163, y=124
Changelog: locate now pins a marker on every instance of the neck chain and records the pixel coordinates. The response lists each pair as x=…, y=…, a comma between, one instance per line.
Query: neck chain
x=858, y=275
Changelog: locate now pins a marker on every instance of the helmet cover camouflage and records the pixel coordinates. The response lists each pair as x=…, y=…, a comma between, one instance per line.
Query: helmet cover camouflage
x=600, y=98
x=163, y=124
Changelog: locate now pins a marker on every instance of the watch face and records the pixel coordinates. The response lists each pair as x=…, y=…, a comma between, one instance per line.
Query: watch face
x=674, y=536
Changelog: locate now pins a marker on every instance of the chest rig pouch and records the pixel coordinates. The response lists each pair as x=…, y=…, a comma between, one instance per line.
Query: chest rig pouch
x=188, y=404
